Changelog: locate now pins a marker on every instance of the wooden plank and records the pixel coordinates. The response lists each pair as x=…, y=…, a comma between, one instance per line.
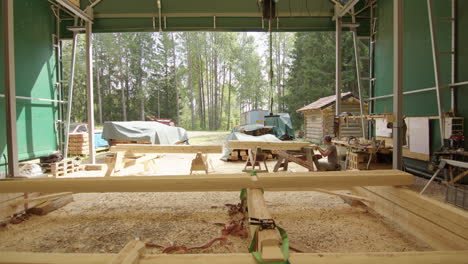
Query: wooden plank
x=268, y=240
x=40, y=198
x=446, y=215
x=130, y=254
x=7, y=210
x=424, y=257
x=140, y=148
x=49, y=206
x=283, y=145
x=283, y=181
x=349, y=196
x=431, y=233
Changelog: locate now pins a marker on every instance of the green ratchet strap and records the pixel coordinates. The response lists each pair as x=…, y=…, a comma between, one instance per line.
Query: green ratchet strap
x=284, y=248
x=243, y=194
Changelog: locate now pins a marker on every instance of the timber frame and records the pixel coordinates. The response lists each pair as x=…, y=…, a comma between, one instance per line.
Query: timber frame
x=126, y=155
x=442, y=226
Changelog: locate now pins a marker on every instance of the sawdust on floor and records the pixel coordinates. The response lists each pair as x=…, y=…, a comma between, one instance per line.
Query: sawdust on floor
x=105, y=222
x=98, y=223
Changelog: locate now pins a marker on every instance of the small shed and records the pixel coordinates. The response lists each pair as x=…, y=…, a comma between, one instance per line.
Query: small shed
x=319, y=117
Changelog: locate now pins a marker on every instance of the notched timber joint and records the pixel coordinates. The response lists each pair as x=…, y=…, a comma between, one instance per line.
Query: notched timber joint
x=262, y=223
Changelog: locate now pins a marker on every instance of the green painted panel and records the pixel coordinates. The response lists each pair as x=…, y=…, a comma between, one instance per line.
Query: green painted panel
x=418, y=70
x=35, y=76
x=462, y=63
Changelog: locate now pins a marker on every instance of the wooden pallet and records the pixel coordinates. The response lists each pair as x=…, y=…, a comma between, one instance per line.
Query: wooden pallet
x=63, y=167
x=242, y=154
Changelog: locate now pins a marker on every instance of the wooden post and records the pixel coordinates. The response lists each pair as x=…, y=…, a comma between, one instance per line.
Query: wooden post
x=268, y=240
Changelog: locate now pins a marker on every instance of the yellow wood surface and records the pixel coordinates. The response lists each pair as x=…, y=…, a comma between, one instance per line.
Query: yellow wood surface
x=282, y=181
x=268, y=241
x=411, y=219
x=143, y=148
x=130, y=254
x=426, y=257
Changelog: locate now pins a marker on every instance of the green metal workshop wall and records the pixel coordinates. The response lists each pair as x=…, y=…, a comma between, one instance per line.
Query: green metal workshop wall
x=418, y=64
x=35, y=76
x=462, y=62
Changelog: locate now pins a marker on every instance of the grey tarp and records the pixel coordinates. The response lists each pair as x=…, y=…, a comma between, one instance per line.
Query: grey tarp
x=152, y=131
x=244, y=137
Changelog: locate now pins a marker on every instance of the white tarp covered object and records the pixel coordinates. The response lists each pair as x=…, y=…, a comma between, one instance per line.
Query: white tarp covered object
x=152, y=131
x=245, y=137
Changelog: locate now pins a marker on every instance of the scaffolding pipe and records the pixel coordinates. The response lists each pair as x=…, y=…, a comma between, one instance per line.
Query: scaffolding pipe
x=397, y=83
x=435, y=58
x=453, y=98
x=89, y=85
x=70, y=92
x=338, y=62
x=358, y=76
x=10, y=86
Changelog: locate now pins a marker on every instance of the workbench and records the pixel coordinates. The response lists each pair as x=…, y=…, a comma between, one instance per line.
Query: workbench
x=367, y=148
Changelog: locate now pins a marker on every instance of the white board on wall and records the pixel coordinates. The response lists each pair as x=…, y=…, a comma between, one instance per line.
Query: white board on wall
x=381, y=129
x=418, y=130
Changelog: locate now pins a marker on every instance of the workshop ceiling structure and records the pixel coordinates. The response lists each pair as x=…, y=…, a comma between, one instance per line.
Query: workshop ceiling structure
x=215, y=15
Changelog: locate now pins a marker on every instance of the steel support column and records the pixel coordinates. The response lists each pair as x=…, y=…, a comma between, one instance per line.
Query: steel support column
x=89, y=85
x=338, y=62
x=70, y=93
x=10, y=86
x=435, y=59
x=397, y=83
x=453, y=97
x=358, y=77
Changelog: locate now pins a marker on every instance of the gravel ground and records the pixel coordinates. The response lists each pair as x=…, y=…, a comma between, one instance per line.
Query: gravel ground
x=105, y=222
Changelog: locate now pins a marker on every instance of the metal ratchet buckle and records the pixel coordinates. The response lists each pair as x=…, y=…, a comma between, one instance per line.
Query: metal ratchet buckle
x=262, y=223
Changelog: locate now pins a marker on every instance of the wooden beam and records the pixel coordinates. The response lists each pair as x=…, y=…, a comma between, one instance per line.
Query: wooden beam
x=423, y=257
x=51, y=205
x=349, y=196
x=449, y=217
x=130, y=254
x=40, y=198
x=141, y=148
x=425, y=226
x=283, y=145
x=287, y=181
x=268, y=240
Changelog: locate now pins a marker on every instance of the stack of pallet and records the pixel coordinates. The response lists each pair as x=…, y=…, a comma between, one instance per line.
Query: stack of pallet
x=78, y=144
x=358, y=160
x=63, y=167
x=242, y=154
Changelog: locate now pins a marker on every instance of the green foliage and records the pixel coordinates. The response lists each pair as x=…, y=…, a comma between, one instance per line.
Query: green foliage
x=205, y=80
x=312, y=72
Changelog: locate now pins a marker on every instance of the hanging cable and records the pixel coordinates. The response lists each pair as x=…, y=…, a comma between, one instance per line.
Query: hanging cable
x=271, y=56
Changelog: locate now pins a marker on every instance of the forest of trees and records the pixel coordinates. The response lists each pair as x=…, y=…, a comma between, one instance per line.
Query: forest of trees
x=205, y=80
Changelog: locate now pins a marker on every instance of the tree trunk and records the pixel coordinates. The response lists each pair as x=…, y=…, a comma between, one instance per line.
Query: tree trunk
x=201, y=95
x=229, y=102
x=98, y=84
x=191, y=93
x=175, y=79
x=142, y=108
x=124, y=108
